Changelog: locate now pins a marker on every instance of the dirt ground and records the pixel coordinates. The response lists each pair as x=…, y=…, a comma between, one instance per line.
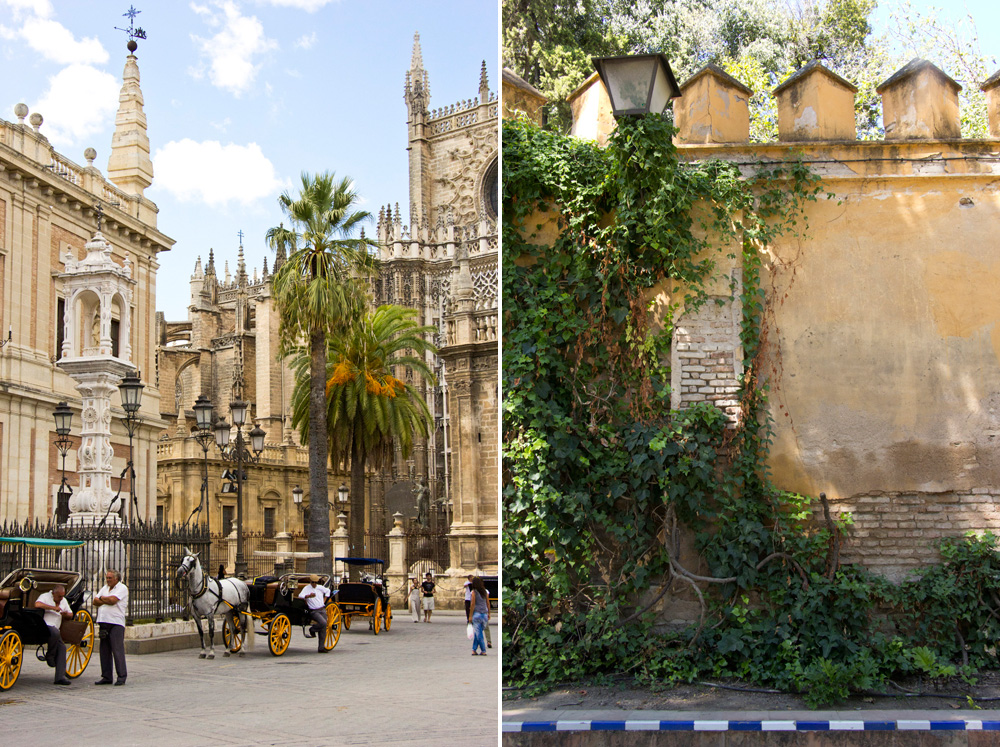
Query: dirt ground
x=706, y=697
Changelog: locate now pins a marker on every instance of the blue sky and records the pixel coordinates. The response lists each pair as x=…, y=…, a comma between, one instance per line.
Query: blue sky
x=241, y=96
x=984, y=13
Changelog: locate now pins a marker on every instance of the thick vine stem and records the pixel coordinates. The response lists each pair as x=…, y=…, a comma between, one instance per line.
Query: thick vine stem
x=961, y=645
x=701, y=600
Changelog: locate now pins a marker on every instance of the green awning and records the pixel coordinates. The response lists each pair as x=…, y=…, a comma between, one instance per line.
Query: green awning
x=53, y=544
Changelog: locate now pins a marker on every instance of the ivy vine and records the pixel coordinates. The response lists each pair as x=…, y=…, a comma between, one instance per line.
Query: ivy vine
x=601, y=477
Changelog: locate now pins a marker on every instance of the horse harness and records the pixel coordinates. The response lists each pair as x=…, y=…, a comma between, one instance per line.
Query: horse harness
x=206, y=587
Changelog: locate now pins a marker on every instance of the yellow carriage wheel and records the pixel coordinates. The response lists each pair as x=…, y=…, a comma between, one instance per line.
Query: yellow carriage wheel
x=333, y=623
x=279, y=634
x=11, y=654
x=233, y=633
x=77, y=657
x=387, y=617
x=347, y=621
x=376, y=616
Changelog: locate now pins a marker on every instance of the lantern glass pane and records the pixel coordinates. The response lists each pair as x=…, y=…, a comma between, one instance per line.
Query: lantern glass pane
x=239, y=412
x=628, y=83
x=203, y=412
x=222, y=434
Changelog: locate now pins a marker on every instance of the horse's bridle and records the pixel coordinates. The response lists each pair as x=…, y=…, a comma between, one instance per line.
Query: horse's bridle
x=186, y=569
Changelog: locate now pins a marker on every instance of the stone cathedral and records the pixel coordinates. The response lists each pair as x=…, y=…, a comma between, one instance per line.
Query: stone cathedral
x=442, y=261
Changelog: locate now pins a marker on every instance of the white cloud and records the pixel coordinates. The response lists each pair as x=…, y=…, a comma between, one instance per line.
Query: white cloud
x=223, y=125
x=306, y=41
x=56, y=42
x=309, y=6
x=231, y=52
x=214, y=173
x=37, y=8
x=80, y=102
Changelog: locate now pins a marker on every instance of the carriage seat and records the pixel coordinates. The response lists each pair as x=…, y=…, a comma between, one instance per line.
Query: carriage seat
x=356, y=593
x=6, y=594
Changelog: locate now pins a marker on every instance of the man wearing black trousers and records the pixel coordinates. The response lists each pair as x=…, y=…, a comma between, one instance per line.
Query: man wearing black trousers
x=56, y=610
x=112, y=602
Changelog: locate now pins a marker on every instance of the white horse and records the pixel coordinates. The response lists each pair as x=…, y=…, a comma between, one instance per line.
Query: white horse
x=209, y=597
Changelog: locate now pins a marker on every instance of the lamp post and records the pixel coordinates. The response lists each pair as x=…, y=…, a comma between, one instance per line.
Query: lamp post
x=64, y=421
x=297, y=498
x=637, y=84
x=131, y=390
x=237, y=454
x=203, y=418
x=342, y=498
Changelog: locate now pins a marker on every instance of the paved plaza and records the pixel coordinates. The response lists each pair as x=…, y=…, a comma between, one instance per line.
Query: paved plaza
x=416, y=684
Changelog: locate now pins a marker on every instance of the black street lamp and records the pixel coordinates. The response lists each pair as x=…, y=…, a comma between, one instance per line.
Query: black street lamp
x=239, y=454
x=203, y=435
x=131, y=390
x=64, y=421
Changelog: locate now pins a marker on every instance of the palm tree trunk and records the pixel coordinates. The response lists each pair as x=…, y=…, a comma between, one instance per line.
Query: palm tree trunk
x=356, y=527
x=319, y=515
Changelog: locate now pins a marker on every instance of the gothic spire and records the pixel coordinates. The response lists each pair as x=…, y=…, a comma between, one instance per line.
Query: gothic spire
x=484, y=85
x=210, y=267
x=129, y=165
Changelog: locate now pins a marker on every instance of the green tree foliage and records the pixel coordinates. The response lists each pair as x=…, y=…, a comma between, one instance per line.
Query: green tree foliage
x=317, y=291
x=369, y=410
x=760, y=42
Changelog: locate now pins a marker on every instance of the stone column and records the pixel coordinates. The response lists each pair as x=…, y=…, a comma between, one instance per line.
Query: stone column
x=338, y=540
x=396, y=575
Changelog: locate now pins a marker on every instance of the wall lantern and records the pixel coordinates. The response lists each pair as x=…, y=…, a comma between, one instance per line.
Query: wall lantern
x=297, y=495
x=637, y=84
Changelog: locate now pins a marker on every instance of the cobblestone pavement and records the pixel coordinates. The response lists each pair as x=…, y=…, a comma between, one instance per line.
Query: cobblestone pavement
x=416, y=684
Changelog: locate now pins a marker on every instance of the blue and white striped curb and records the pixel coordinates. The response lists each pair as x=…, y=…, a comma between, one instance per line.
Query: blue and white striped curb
x=640, y=725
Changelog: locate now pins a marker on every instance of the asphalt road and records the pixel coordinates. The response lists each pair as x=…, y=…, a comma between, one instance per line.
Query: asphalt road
x=416, y=684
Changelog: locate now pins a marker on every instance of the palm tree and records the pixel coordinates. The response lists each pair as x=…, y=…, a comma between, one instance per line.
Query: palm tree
x=317, y=292
x=369, y=410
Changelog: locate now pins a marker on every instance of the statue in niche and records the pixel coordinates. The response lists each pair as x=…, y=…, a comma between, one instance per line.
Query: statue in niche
x=95, y=329
x=423, y=494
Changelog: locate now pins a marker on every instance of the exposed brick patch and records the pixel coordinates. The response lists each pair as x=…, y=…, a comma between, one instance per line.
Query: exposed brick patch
x=894, y=533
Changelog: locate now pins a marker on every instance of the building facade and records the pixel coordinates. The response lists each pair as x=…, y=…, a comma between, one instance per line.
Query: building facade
x=444, y=263
x=50, y=208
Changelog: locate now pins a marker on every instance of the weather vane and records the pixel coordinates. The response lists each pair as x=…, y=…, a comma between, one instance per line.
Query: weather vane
x=132, y=31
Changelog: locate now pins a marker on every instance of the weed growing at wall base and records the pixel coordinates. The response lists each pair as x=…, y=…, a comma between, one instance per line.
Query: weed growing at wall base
x=601, y=477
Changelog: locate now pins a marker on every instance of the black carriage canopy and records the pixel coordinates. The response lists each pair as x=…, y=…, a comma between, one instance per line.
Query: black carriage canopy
x=360, y=561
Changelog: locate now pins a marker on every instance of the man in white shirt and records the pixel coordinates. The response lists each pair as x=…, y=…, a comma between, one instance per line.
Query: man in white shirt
x=316, y=596
x=112, y=603
x=56, y=609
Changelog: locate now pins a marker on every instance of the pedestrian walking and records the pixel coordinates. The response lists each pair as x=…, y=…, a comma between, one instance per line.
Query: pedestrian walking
x=427, y=589
x=414, y=599
x=468, y=604
x=480, y=616
x=56, y=609
x=112, y=602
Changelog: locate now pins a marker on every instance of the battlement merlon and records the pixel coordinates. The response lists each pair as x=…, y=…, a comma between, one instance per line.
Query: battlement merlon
x=919, y=103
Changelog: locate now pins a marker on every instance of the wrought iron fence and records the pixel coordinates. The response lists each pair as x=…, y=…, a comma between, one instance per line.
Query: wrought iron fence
x=147, y=555
x=426, y=550
x=376, y=546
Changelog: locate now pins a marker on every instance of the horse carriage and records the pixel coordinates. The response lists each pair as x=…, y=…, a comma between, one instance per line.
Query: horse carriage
x=274, y=600
x=492, y=584
x=22, y=625
x=367, y=597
